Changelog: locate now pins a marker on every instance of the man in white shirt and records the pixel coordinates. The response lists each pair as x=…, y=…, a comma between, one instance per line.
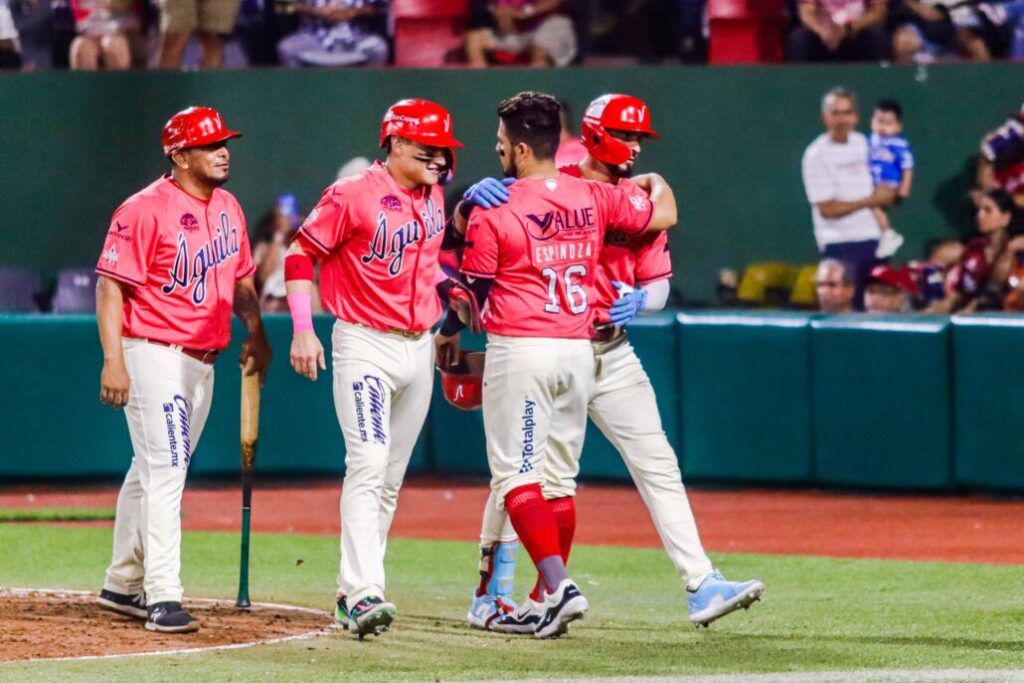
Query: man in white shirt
x=837, y=179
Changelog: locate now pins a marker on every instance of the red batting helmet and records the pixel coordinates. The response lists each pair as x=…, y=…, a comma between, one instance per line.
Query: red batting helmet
x=463, y=380
x=194, y=127
x=614, y=112
x=422, y=121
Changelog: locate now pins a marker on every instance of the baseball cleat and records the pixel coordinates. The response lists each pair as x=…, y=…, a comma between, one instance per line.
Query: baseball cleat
x=341, y=614
x=486, y=608
x=523, y=619
x=717, y=597
x=566, y=604
x=170, y=617
x=128, y=605
x=371, y=616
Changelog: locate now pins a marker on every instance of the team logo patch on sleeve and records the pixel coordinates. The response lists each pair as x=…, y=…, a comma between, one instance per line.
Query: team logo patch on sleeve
x=110, y=255
x=639, y=202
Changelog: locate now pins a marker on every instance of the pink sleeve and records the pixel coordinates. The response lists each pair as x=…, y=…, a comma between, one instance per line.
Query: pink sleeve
x=480, y=255
x=653, y=261
x=326, y=224
x=131, y=242
x=625, y=207
x=246, y=264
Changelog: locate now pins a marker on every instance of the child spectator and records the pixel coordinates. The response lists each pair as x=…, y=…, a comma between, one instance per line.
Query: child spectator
x=892, y=163
x=336, y=33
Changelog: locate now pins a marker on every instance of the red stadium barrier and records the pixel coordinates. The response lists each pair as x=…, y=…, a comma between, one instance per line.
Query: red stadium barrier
x=427, y=30
x=746, y=31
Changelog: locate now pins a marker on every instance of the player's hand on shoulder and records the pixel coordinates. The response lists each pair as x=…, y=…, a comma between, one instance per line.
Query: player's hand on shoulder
x=256, y=355
x=488, y=193
x=307, y=354
x=114, y=384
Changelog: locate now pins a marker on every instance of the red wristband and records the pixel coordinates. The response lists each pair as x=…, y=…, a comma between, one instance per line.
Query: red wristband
x=298, y=267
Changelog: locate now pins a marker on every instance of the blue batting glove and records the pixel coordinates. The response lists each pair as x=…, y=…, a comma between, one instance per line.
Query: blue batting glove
x=487, y=193
x=628, y=305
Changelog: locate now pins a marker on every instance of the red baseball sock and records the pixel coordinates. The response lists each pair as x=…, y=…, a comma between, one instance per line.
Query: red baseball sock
x=533, y=521
x=564, y=510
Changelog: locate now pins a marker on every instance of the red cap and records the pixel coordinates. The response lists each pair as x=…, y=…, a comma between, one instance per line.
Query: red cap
x=900, y=278
x=462, y=382
x=614, y=112
x=194, y=127
x=420, y=120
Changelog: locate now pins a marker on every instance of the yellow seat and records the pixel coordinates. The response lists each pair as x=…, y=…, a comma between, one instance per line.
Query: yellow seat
x=805, y=292
x=766, y=284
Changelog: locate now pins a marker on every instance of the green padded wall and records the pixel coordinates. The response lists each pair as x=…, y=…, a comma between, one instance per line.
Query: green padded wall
x=64, y=431
x=744, y=387
x=881, y=401
x=75, y=144
x=987, y=369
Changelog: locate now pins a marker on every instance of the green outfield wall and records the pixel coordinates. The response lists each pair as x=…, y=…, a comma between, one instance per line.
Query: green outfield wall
x=73, y=145
x=899, y=402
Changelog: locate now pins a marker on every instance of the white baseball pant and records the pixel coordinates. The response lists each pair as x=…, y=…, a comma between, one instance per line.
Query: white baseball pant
x=168, y=402
x=382, y=387
x=535, y=412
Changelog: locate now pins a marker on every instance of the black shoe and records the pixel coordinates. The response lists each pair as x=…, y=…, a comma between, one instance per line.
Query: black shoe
x=129, y=605
x=170, y=617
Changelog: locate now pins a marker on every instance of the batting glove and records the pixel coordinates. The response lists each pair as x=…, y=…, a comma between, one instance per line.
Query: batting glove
x=628, y=305
x=489, y=193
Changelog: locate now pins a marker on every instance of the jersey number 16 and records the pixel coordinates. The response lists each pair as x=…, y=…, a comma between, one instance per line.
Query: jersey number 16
x=575, y=295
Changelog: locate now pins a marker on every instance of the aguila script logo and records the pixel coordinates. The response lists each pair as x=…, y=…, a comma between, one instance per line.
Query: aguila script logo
x=190, y=271
x=390, y=245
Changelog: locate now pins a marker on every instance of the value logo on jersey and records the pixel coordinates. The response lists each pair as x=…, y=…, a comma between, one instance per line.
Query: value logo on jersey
x=191, y=271
x=547, y=225
x=119, y=232
x=390, y=245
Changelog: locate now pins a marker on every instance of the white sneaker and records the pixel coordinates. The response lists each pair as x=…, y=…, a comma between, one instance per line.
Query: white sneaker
x=888, y=243
x=524, y=619
x=561, y=607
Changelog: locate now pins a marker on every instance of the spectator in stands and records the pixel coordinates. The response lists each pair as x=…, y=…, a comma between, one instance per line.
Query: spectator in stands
x=211, y=20
x=269, y=251
x=934, y=29
x=102, y=41
x=10, y=52
x=892, y=163
x=505, y=30
x=834, y=285
x=978, y=280
x=839, y=30
x=837, y=180
x=337, y=33
x=889, y=290
x=1001, y=163
x=570, y=148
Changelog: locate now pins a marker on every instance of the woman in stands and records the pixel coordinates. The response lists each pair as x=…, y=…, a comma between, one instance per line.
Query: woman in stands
x=979, y=279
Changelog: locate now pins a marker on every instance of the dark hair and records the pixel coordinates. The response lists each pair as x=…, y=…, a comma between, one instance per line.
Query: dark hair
x=533, y=118
x=1002, y=200
x=891, y=106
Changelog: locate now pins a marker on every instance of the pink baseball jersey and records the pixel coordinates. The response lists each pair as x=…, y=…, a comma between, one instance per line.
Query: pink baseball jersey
x=542, y=248
x=380, y=246
x=181, y=256
x=630, y=259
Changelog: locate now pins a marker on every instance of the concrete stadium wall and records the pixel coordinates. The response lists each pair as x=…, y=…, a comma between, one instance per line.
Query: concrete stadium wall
x=74, y=145
x=912, y=403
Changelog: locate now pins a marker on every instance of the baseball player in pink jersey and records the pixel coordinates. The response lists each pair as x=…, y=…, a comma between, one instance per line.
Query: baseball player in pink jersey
x=175, y=263
x=531, y=264
x=633, y=277
x=378, y=235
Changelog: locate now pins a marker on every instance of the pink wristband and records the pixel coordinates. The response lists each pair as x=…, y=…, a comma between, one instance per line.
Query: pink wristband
x=302, y=315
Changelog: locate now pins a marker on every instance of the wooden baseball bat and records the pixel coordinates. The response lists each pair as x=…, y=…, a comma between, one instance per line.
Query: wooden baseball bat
x=250, y=429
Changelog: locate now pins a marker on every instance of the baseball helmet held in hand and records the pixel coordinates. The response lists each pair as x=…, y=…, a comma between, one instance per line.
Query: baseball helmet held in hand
x=462, y=380
x=194, y=127
x=614, y=112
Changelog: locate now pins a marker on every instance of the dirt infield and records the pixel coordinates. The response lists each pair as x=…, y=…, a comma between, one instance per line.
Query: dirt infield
x=957, y=529
x=31, y=620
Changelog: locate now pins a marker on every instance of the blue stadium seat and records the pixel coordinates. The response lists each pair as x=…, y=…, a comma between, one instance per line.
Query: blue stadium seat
x=76, y=291
x=18, y=290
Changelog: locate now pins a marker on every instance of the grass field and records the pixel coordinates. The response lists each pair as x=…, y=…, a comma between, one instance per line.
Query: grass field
x=817, y=614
